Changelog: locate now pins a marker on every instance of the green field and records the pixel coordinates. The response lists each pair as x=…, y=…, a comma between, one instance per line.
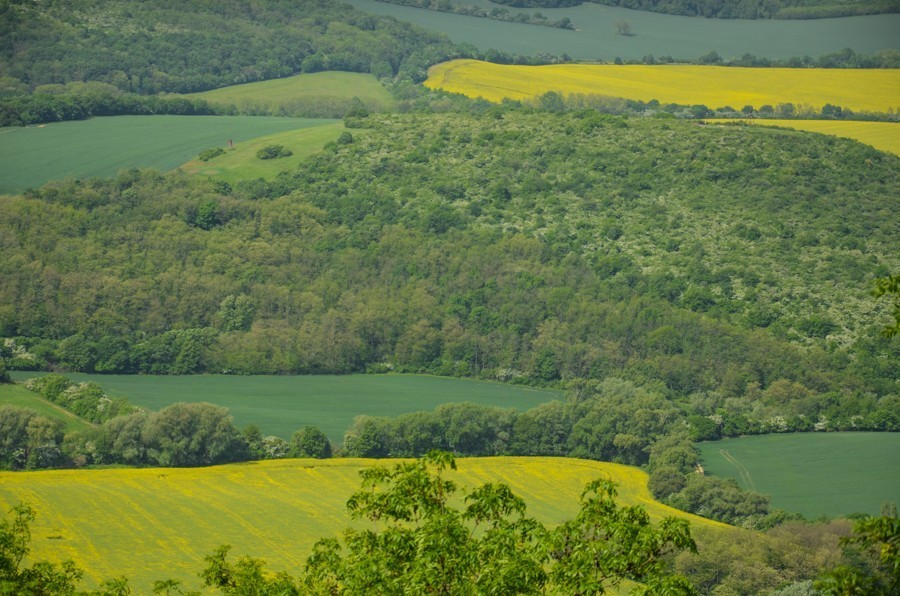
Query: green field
x=17, y=395
x=280, y=405
x=320, y=90
x=241, y=162
x=151, y=524
x=653, y=33
x=815, y=474
x=34, y=155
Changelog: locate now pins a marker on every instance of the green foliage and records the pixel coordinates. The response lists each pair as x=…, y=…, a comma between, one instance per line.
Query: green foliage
x=499, y=14
x=720, y=499
x=86, y=400
x=890, y=286
x=309, y=441
x=199, y=434
x=422, y=544
x=201, y=46
x=42, y=577
x=246, y=577
x=273, y=152
x=606, y=543
x=879, y=538
x=208, y=154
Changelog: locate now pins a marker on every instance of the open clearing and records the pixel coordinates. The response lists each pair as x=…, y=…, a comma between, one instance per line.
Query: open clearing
x=241, y=162
x=814, y=474
x=280, y=405
x=32, y=156
x=151, y=524
x=684, y=38
x=884, y=136
x=713, y=86
x=287, y=94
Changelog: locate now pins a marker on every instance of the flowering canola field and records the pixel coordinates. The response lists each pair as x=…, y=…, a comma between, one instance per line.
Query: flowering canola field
x=159, y=523
x=713, y=86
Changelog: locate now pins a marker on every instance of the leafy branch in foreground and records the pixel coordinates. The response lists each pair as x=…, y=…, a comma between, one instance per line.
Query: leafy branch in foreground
x=419, y=543
x=878, y=535
x=40, y=578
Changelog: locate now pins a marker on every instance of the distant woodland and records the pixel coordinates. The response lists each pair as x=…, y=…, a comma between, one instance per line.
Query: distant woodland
x=531, y=247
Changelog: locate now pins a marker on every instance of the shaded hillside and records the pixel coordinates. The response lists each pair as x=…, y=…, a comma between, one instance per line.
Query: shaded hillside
x=150, y=47
x=512, y=245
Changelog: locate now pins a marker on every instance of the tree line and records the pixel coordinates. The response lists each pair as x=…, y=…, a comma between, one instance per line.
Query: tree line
x=612, y=420
x=498, y=14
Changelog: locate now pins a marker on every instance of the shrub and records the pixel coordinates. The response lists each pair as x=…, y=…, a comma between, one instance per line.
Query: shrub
x=208, y=154
x=273, y=152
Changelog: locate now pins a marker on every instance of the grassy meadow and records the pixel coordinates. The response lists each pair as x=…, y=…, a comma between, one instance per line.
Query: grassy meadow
x=652, y=33
x=32, y=156
x=17, y=395
x=241, y=163
x=884, y=136
x=713, y=86
x=280, y=405
x=151, y=524
x=291, y=93
x=814, y=474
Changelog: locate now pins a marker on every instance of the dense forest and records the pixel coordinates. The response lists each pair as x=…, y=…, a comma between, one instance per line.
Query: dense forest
x=153, y=47
x=532, y=247
x=734, y=9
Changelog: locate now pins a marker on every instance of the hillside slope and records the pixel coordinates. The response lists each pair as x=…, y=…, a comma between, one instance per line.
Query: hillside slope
x=537, y=246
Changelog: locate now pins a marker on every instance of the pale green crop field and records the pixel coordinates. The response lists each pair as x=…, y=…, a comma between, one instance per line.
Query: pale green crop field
x=241, y=163
x=280, y=405
x=293, y=91
x=152, y=524
x=653, y=33
x=815, y=474
x=101, y=147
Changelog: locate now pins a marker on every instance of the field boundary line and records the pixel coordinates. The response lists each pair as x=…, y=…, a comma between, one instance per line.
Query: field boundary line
x=744, y=472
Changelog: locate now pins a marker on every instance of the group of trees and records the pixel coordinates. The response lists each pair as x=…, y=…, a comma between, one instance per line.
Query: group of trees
x=200, y=46
x=499, y=14
x=180, y=435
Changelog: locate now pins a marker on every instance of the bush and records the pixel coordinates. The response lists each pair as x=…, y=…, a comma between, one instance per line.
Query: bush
x=208, y=154
x=274, y=152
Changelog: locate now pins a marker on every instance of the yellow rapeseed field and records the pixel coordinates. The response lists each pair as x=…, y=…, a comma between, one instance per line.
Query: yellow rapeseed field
x=152, y=524
x=713, y=86
x=884, y=136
